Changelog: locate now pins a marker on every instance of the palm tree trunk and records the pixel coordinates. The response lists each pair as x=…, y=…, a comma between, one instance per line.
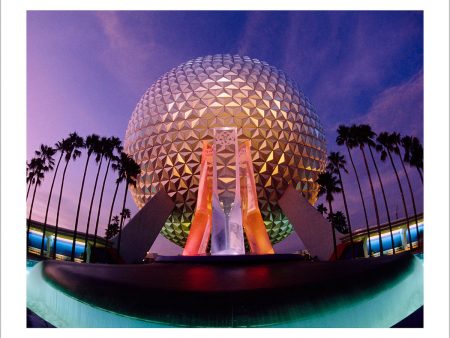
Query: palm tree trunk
x=333, y=231
x=29, y=215
x=59, y=206
x=346, y=213
x=420, y=174
x=375, y=205
x=90, y=210
x=403, y=198
x=122, y=218
x=100, y=203
x=384, y=199
x=72, y=256
x=412, y=198
x=48, y=205
x=28, y=190
x=112, y=204
x=362, y=200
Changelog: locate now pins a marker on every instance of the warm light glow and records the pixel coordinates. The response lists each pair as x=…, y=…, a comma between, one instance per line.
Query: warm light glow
x=180, y=110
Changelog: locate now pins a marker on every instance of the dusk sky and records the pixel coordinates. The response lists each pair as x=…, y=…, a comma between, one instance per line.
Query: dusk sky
x=87, y=71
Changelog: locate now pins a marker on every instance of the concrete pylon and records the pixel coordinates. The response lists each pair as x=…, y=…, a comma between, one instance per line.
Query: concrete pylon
x=312, y=228
x=243, y=214
x=200, y=231
x=254, y=227
x=141, y=231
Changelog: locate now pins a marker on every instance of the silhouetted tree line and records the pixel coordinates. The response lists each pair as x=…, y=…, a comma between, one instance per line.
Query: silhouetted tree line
x=103, y=150
x=407, y=149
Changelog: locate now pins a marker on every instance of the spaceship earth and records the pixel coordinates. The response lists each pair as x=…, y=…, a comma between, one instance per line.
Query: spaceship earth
x=180, y=110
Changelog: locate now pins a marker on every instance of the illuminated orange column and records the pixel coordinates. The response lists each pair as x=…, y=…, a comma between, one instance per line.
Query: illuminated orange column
x=200, y=231
x=253, y=223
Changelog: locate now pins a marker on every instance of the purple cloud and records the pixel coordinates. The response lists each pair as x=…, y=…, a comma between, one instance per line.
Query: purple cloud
x=124, y=55
x=398, y=108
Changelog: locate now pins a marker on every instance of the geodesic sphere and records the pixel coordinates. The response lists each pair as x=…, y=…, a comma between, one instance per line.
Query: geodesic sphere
x=182, y=107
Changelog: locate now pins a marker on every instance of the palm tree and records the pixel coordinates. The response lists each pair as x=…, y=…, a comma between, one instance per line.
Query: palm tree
x=116, y=219
x=396, y=140
x=111, y=144
x=406, y=143
x=46, y=153
x=30, y=177
x=116, y=166
x=417, y=157
x=328, y=185
x=384, y=197
x=71, y=148
x=37, y=167
x=131, y=170
x=90, y=144
x=322, y=209
x=413, y=153
x=112, y=229
x=345, y=138
x=125, y=214
x=339, y=222
x=363, y=135
x=336, y=162
x=59, y=146
x=98, y=149
x=387, y=146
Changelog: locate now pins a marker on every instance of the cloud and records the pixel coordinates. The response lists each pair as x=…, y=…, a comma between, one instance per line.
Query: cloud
x=400, y=108
x=252, y=33
x=126, y=55
x=338, y=59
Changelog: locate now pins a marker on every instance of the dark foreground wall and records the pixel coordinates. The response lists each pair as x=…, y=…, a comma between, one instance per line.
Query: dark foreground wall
x=414, y=320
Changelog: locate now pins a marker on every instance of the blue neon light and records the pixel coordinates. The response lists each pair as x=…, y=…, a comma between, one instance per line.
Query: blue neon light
x=386, y=238
x=413, y=230
x=63, y=247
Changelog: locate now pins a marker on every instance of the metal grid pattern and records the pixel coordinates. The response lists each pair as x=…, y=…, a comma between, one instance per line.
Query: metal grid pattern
x=182, y=107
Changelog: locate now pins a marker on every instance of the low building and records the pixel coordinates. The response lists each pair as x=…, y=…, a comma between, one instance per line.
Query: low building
x=63, y=243
x=402, y=238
